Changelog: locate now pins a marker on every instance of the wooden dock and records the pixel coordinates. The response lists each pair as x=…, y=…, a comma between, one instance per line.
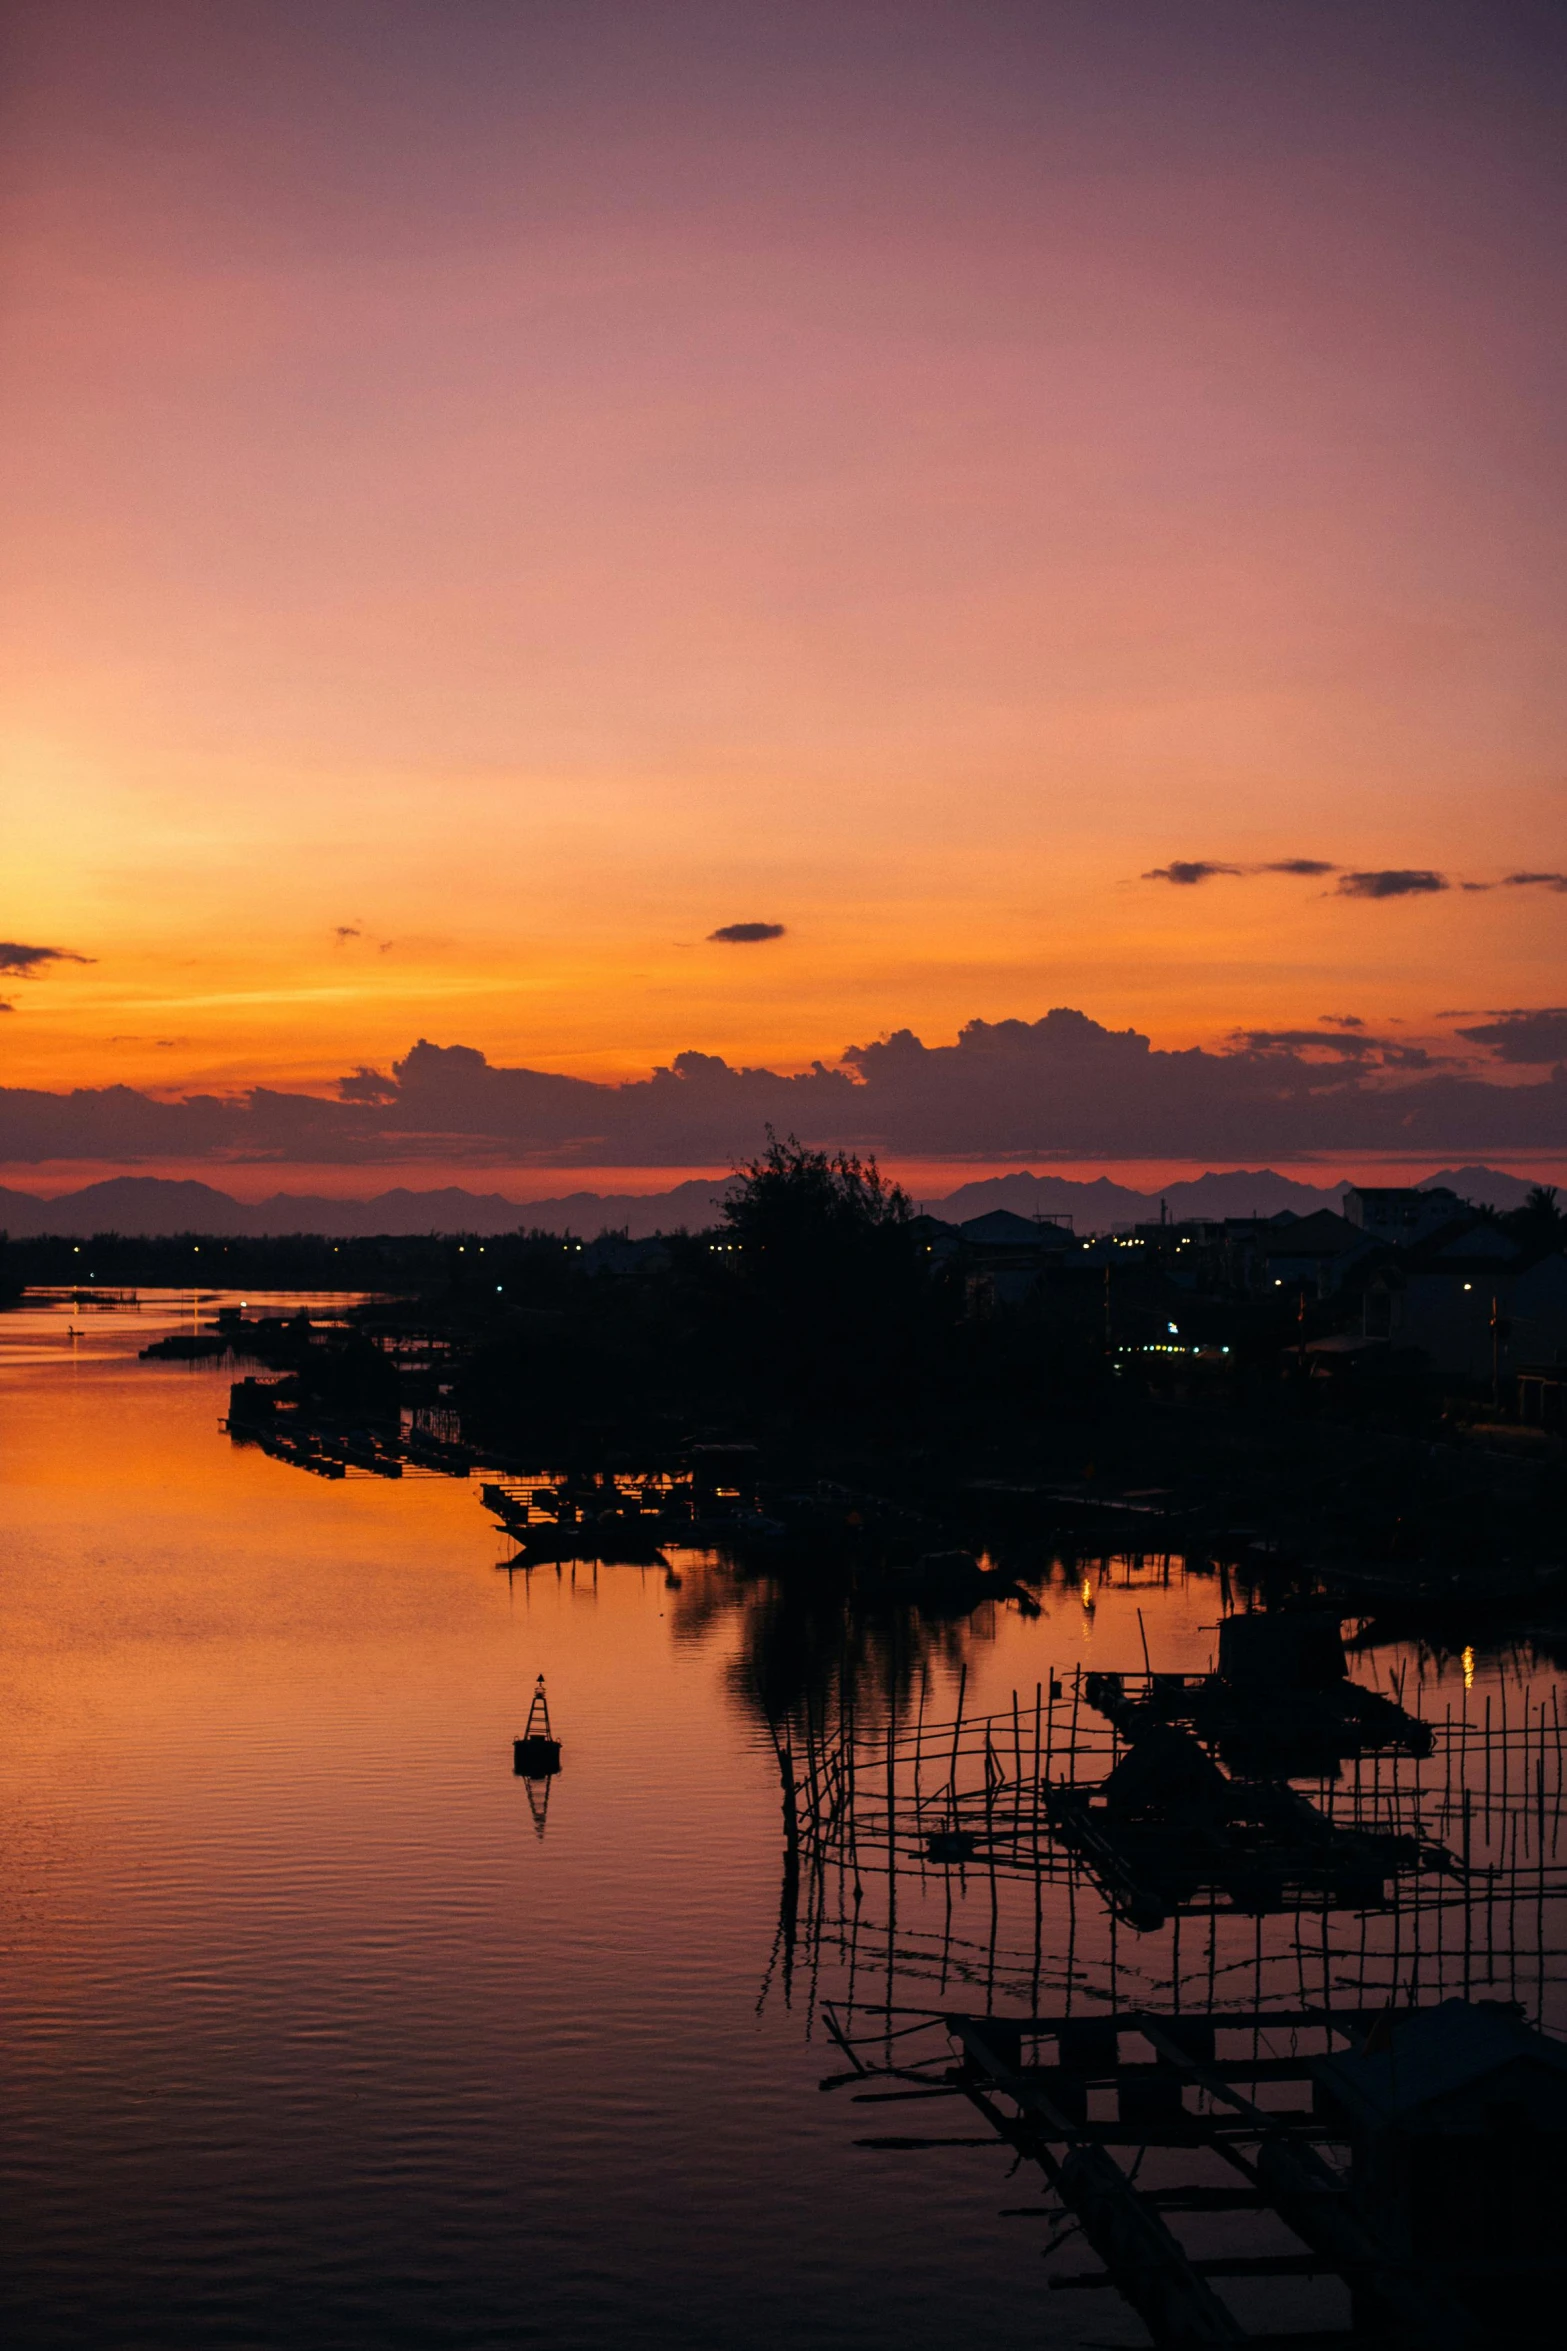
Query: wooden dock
x=928, y=1883
x=1071, y=2093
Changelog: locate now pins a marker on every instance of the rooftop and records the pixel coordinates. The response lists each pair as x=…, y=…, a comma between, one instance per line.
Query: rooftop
x=1435, y=2055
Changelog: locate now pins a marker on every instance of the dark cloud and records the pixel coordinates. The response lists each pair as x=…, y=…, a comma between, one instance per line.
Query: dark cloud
x=1188, y=870
x=1538, y=1036
x=1058, y=1086
x=745, y=934
x=26, y=961
x=1400, y=881
x=1406, y=1057
x=367, y=1085
x=1341, y=1020
x=1476, y=889
x=113, y=1123
x=1350, y=1045
x=346, y=930
x=1395, y=881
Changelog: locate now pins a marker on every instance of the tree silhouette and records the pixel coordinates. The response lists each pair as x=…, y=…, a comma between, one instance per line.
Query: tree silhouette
x=822, y=1296
x=1540, y=1223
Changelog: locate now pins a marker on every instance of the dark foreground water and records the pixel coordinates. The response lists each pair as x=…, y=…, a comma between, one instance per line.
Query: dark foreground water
x=312, y=2039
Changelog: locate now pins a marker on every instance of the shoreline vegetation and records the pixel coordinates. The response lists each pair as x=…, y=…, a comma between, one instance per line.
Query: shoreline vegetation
x=889, y=1402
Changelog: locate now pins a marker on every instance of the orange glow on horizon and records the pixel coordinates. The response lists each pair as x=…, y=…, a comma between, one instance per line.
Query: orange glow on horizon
x=886, y=501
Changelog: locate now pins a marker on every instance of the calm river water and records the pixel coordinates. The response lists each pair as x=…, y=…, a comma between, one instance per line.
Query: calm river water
x=312, y=2039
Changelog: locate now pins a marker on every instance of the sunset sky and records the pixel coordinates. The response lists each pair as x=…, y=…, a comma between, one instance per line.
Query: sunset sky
x=496, y=492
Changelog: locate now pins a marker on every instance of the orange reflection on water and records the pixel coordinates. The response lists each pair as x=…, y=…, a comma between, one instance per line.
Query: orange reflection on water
x=294, y=1986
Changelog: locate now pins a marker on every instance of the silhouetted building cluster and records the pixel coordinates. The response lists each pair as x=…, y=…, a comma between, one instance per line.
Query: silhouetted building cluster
x=1418, y=1276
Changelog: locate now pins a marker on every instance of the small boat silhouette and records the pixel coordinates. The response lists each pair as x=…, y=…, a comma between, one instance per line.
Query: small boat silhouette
x=536, y=1755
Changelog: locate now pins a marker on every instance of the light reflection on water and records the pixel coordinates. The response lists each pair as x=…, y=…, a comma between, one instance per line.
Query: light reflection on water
x=311, y=2039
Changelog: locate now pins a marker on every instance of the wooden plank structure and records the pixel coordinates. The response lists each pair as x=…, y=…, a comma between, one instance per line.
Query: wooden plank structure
x=1166, y=1824
x=1150, y=2117
x=614, y=1519
x=1015, y=1912
x=976, y=1792
x=1182, y=2092
x=1281, y=1702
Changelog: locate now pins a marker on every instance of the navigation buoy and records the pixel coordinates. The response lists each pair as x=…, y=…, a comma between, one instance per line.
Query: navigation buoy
x=536, y=1755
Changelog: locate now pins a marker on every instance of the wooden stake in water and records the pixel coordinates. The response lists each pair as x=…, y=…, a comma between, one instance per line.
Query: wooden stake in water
x=957, y=1732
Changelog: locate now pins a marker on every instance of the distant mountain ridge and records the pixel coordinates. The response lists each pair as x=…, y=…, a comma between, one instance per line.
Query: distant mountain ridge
x=156, y=1206
x=1099, y=1204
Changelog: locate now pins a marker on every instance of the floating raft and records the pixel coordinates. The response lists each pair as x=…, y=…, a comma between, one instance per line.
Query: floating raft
x=1167, y=1827
x=1281, y=1702
x=1300, y=1734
